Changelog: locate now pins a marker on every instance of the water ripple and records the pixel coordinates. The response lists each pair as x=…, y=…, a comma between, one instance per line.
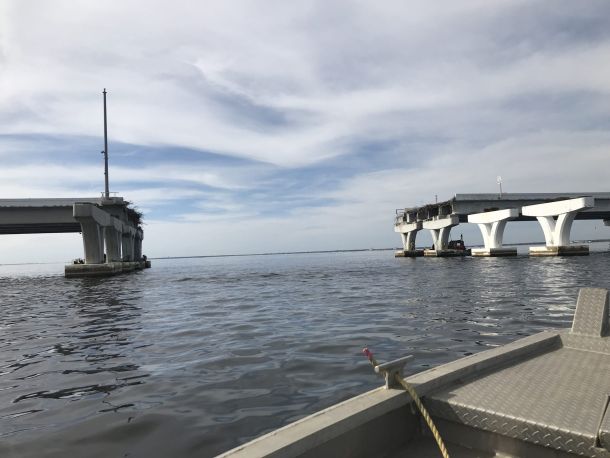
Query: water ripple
x=213, y=352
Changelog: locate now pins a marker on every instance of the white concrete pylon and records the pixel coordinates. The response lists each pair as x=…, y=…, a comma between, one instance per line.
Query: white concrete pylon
x=93, y=242
x=440, y=227
x=408, y=240
x=113, y=234
x=137, y=246
x=91, y=220
x=492, y=225
x=408, y=232
x=128, y=242
x=557, y=231
x=97, y=225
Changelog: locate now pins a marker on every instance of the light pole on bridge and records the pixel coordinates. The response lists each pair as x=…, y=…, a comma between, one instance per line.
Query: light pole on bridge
x=105, y=152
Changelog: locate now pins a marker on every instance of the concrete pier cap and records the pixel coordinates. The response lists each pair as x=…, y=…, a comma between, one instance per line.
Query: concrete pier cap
x=556, y=220
x=559, y=207
x=441, y=222
x=492, y=225
x=403, y=228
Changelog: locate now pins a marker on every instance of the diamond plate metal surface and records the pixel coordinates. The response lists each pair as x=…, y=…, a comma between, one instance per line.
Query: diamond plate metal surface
x=595, y=344
x=591, y=317
x=555, y=400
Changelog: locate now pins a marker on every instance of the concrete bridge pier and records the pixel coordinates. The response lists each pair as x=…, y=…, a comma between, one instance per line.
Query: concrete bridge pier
x=128, y=242
x=492, y=225
x=408, y=231
x=113, y=235
x=101, y=222
x=440, y=228
x=93, y=234
x=556, y=219
x=137, y=245
x=122, y=239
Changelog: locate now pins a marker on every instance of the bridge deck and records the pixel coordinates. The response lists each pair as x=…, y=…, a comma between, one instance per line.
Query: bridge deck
x=39, y=216
x=51, y=202
x=463, y=205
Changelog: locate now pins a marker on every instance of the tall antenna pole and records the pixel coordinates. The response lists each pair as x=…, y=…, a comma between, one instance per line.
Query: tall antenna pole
x=106, y=189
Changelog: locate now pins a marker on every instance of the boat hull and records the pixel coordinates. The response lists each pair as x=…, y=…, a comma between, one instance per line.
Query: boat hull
x=544, y=395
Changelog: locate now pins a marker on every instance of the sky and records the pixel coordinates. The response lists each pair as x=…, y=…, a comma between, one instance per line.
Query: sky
x=264, y=126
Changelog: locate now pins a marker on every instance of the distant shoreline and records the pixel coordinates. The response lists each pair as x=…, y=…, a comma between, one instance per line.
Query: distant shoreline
x=356, y=250
x=273, y=254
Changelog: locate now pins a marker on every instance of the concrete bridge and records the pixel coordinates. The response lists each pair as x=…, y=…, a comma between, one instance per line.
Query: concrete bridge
x=112, y=236
x=554, y=211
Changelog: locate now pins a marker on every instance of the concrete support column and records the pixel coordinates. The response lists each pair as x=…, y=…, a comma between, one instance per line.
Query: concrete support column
x=408, y=233
x=113, y=244
x=91, y=221
x=440, y=228
x=556, y=220
x=557, y=231
x=93, y=241
x=128, y=246
x=137, y=247
x=492, y=225
x=408, y=240
x=492, y=233
x=440, y=237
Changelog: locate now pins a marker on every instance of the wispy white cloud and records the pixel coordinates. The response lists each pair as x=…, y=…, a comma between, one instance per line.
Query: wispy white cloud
x=332, y=79
x=335, y=111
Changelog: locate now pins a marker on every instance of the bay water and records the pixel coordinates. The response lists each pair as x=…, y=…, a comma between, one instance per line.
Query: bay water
x=195, y=356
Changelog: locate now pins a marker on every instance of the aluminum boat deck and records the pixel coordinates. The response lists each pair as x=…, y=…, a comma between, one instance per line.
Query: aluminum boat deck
x=542, y=396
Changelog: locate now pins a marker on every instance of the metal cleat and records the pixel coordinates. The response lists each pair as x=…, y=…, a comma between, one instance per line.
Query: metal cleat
x=391, y=369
